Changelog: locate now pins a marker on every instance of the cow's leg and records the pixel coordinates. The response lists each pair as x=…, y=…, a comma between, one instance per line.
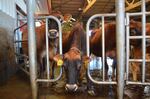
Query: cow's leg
x=53, y=69
x=114, y=69
x=135, y=68
x=90, y=86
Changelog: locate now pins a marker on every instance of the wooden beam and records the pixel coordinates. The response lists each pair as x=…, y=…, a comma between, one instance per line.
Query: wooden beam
x=90, y=4
x=49, y=6
x=134, y=5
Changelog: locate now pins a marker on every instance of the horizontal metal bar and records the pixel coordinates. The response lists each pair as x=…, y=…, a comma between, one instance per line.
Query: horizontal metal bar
x=27, y=72
x=100, y=82
x=18, y=41
x=20, y=27
x=138, y=14
x=38, y=17
x=21, y=55
x=51, y=80
x=138, y=60
x=138, y=37
x=137, y=83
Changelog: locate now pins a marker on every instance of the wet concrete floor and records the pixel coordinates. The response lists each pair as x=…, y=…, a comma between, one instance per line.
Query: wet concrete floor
x=18, y=87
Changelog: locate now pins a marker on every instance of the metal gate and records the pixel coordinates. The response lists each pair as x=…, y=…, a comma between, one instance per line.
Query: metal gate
x=124, y=75
x=20, y=56
x=102, y=17
x=143, y=37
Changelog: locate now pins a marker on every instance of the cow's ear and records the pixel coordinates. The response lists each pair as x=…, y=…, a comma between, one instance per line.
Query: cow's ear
x=86, y=60
x=58, y=59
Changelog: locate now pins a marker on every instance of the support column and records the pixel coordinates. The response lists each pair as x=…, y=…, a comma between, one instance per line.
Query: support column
x=120, y=30
x=32, y=46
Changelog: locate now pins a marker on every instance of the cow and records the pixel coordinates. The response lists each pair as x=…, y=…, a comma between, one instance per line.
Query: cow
x=136, y=51
x=41, y=41
x=135, y=67
x=74, y=53
x=110, y=41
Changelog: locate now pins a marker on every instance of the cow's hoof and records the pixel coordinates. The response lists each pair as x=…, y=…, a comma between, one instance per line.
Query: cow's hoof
x=91, y=93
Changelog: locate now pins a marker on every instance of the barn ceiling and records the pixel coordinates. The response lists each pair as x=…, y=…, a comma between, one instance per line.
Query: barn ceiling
x=76, y=7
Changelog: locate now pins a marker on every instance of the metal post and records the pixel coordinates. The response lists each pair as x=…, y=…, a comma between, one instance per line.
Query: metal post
x=143, y=40
x=120, y=30
x=32, y=46
x=103, y=46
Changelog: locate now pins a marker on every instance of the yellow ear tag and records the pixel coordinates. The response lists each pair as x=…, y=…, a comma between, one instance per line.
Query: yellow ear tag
x=59, y=62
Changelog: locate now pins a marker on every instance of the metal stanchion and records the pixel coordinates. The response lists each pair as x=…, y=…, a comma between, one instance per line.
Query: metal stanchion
x=32, y=46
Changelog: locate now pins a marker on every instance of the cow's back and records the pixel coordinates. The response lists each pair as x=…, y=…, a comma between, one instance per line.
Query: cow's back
x=40, y=39
x=110, y=39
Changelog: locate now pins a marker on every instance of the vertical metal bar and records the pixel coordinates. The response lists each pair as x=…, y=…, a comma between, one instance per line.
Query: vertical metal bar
x=127, y=46
x=143, y=40
x=60, y=37
x=87, y=38
x=47, y=50
x=120, y=30
x=32, y=47
x=103, y=47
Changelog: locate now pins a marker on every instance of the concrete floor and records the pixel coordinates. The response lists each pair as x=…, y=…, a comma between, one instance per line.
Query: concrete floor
x=18, y=87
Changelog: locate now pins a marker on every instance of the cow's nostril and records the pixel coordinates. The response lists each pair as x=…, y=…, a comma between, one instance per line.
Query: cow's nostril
x=71, y=87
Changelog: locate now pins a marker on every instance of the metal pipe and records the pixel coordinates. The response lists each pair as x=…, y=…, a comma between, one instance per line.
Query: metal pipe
x=25, y=71
x=143, y=40
x=51, y=80
x=138, y=37
x=20, y=27
x=32, y=47
x=103, y=46
x=138, y=14
x=99, y=82
x=47, y=50
x=120, y=35
x=137, y=83
x=127, y=46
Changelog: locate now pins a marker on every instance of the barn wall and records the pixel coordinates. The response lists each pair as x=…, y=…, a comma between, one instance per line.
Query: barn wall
x=7, y=26
x=9, y=7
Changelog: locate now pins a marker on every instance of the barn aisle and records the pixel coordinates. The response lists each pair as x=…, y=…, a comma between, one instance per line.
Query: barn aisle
x=17, y=87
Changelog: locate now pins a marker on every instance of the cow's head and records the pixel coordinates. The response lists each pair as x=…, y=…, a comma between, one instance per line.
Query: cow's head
x=72, y=63
x=53, y=25
x=135, y=28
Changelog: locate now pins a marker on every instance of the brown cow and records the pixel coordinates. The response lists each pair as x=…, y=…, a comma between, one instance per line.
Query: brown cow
x=74, y=48
x=41, y=41
x=136, y=30
x=110, y=40
x=135, y=67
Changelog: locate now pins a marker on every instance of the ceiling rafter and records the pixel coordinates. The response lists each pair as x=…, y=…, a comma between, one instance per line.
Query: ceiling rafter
x=133, y=4
x=89, y=5
x=62, y=3
x=49, y=6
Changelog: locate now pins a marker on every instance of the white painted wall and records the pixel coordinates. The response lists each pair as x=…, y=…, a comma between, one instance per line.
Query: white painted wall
x=9, y=6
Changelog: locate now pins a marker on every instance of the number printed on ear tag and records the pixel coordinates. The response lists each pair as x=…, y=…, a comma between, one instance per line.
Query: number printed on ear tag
x=59, y=62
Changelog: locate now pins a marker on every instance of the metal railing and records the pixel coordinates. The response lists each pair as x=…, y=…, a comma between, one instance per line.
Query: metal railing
x=142, y=37
x=102, y=16
x=34, y=71
x=120, y=33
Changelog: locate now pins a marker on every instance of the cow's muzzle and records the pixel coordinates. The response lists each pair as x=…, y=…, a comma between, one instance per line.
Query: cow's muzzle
x=71, y=87
x=53, y=33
